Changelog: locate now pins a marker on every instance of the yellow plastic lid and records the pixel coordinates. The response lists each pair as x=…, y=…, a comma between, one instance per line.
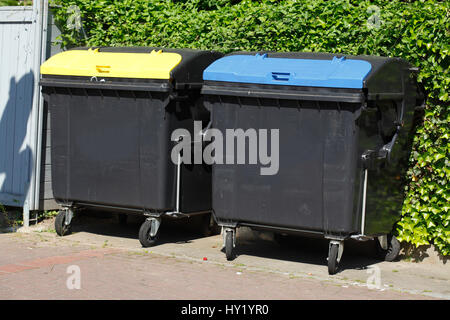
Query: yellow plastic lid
x=89, y=63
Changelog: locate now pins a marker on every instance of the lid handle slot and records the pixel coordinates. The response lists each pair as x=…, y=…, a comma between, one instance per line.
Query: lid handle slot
x=281, y=76
x=103, y=69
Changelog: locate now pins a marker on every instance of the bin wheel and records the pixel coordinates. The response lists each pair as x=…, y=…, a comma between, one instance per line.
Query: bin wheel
x=392, y=251
x=209, y=226
x=145, y=238
x=229, y=245
x=332, y=258
x=62, y=229
x=122, y=219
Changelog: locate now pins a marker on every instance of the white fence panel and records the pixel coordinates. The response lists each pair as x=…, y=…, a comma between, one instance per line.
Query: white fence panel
x=16, y=100
x=21, y=38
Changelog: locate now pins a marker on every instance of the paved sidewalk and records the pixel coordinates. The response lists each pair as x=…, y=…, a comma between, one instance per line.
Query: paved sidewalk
x=34, y=265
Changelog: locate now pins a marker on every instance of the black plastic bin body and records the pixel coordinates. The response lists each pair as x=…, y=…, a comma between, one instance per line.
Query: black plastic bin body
x=342, y=151
x=111, y=137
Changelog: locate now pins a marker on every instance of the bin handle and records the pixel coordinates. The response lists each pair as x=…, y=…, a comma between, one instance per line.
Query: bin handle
x=103, y=69
x=385, y=151
x=372, y=159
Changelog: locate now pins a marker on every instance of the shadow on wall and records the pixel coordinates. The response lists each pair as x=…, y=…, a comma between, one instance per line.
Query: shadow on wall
x=15, y=154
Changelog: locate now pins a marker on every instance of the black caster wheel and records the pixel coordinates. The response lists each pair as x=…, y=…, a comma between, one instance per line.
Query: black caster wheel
x=62, y=229
x=122, y=219
x=146, y=237
x=229, y=245
x=334, y=256
x=392, y=250
x=209, y=226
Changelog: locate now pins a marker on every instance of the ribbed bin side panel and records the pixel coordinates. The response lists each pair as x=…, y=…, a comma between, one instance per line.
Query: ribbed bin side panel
x=315, y=184
x=111, y=147
x=340, y=167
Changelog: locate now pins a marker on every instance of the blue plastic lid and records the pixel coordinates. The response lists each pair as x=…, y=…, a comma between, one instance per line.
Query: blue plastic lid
x=259, y=69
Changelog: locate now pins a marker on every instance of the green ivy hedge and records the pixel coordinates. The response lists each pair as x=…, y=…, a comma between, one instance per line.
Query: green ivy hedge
x=417, y=31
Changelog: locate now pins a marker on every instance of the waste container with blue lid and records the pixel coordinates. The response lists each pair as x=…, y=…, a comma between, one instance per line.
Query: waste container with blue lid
x=112, y=114
x=345, y=126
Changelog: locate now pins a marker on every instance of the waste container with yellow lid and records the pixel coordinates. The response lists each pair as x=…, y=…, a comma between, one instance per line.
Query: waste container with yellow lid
x=112, y=114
